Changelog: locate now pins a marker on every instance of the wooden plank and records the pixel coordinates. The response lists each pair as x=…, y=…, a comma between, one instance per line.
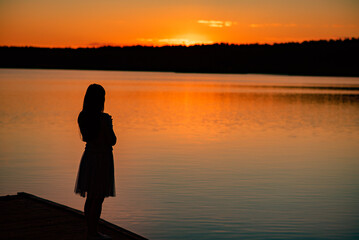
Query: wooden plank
x=26, y=216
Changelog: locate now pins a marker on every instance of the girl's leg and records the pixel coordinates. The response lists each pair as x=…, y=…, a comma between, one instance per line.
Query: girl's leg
x=93, y=208
x=88, y=204
x=89, y=215
x=98, y=207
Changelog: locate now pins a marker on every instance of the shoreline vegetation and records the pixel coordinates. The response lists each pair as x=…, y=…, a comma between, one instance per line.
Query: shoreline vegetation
x=315, y=58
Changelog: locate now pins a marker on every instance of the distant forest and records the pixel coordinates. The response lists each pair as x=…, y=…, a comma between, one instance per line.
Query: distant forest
x=317, y=58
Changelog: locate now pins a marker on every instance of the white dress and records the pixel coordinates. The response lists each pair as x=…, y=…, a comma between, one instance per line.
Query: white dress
x=96, y=172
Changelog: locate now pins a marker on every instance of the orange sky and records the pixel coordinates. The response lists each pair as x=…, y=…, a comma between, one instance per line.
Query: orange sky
x=80, y=23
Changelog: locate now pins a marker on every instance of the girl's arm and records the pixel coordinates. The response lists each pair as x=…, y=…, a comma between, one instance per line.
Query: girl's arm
x=109, y=133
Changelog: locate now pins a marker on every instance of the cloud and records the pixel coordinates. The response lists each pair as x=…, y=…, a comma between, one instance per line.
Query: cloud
x=254, y=25
x=182, y=41
x=217, y=24
x=173, y=41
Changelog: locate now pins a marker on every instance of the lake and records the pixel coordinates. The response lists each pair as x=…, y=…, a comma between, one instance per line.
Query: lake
x=199, y=156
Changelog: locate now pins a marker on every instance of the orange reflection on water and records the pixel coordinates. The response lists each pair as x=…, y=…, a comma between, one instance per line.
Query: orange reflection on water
x=190, y=147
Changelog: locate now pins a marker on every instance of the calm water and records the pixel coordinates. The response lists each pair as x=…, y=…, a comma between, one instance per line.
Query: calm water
x=198, y=156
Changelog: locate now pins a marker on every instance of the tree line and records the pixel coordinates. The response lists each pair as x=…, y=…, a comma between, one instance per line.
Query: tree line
x=317, y=58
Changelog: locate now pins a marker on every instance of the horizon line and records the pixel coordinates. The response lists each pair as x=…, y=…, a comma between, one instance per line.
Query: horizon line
x=89, y=46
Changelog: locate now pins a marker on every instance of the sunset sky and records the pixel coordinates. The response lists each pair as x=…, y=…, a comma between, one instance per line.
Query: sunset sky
x=86, y=23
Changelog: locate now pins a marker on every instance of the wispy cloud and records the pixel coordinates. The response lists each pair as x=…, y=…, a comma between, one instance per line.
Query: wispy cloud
x=182, y=41
x=217, y=24
x=173, y=41
x=260, y=25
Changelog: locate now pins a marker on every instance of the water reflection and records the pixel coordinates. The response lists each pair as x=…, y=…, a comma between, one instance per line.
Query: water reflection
x=200, y=158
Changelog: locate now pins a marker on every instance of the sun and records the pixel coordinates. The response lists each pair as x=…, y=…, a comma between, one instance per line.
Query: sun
x=182, y=39
x=188, y=39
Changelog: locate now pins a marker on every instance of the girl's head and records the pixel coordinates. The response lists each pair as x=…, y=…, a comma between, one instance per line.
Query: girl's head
x=94, y=100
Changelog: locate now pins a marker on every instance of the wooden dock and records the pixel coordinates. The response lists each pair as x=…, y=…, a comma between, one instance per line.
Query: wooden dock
x=25, y=216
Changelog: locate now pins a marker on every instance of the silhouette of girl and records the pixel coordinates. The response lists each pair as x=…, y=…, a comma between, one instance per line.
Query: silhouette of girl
x=96, y=172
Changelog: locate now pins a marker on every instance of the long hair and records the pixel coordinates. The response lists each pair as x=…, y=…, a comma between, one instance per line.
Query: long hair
x=89, y=117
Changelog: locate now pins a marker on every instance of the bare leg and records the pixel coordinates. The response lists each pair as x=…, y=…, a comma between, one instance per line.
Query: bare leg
x=93, y=208
x=98, y=208
x=88, y=206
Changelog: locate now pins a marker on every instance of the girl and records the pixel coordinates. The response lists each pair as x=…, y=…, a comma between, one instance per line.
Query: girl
x=95, y=178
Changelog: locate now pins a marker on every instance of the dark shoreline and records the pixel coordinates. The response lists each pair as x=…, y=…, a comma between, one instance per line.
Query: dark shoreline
x=313, y=58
